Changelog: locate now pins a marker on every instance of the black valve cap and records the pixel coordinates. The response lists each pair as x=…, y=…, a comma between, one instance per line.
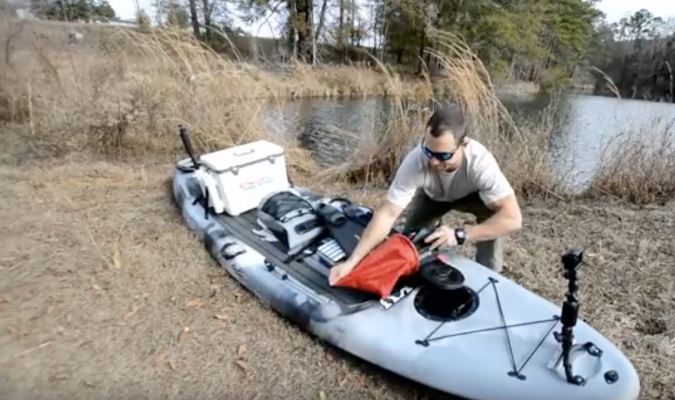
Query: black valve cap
x=611, y=376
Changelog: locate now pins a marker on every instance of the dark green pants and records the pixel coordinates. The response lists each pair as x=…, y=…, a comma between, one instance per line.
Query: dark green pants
x=424, y=211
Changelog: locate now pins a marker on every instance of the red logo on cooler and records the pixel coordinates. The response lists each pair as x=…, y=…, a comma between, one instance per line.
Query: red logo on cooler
x=253, y=183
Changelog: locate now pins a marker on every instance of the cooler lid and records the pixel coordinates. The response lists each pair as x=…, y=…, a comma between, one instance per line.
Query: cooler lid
x=242, y=155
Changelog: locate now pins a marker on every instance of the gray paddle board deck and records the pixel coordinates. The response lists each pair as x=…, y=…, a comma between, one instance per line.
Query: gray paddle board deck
x=504, y=350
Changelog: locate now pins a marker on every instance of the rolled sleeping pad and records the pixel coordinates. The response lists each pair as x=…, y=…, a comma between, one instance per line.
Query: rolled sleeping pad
x=346, y=231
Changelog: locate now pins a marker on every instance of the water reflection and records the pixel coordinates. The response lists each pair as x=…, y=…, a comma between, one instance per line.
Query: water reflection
x=332, y=129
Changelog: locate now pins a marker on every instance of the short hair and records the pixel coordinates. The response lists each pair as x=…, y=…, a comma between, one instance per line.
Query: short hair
x=449, y=118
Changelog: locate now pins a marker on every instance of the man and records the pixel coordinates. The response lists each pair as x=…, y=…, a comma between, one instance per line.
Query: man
x=446, y=171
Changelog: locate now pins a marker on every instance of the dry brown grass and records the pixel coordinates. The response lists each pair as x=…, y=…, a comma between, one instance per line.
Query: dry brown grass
x=638, y=166
x=99, y=276
x=124, y=92
x=521, y=150
x=633, y=168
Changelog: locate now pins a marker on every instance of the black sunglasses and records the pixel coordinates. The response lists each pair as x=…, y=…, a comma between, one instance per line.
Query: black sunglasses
x=440, y=156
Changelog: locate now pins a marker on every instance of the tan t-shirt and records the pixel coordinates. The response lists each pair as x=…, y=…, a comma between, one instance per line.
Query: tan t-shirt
x=479, y=172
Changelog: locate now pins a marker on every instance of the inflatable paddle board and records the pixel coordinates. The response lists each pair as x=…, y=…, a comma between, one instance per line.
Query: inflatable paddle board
x=484, y=337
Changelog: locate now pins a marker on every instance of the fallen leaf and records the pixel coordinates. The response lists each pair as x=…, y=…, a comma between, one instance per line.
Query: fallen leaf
x=362, y=380
x=173, y=299
x=241, y=350
x=173, y=392
x=194, y=303
x=322, y=395
x=160, y=358
x=134, y=310
x=214, y=291
x=12, y=330
x=242, y=364
x=5, y=301
x=59, y=377
x=183, y=333
x=329, y=356
x=96, y=287
x=89, y=383
x=172, y=364
x=146, y=295
x=50, y=310
x=221, y=317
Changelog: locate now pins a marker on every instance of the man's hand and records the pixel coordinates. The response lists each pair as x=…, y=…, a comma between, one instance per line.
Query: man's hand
x=442, y=236
x=339, y=271
x=377, y=230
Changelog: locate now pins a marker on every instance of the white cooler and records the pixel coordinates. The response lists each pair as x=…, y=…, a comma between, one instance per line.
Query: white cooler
x=245, y=174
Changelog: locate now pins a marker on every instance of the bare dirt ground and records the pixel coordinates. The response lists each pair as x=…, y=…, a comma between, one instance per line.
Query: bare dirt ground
x=103, y=292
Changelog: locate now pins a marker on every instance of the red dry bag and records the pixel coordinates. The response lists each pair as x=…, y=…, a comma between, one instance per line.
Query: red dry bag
x=379, y=271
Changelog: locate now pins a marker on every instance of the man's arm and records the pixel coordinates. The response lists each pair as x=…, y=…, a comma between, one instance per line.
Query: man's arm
x=498, y=195
x=506, y=219
x=377, y=230
x=399, y=195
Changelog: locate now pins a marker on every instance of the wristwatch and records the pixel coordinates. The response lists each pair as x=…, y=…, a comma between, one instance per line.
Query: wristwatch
x=460, y=235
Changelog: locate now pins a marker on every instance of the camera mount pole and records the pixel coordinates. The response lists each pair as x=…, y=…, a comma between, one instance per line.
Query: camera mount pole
x=571, y=261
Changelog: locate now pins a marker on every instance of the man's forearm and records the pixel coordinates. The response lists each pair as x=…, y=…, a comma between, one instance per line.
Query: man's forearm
x=492, y=228
x=376, y=231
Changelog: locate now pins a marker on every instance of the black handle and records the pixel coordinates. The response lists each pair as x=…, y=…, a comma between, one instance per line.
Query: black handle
x=187, y=144
x=331, y=215
x=418, y=235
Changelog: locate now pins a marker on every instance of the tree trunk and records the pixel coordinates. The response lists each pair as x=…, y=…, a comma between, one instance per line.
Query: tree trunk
x=304, y=18
x=384, y=30
x=319, y=28
x=194, y=19
x=292, y=30
x=341, y=31
x=352, y=23
x=207, y=9
x=420, y=63
x=322, y=19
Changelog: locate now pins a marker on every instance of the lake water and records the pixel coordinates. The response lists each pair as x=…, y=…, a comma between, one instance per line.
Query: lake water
x=329, y=127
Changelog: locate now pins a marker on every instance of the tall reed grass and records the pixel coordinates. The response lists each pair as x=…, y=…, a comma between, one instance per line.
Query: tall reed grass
x=124, y=92
x=521, y=150
x=637, y=166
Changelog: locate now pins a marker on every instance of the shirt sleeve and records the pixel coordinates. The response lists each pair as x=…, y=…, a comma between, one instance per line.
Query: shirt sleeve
x=406, y=181
x=490, y=180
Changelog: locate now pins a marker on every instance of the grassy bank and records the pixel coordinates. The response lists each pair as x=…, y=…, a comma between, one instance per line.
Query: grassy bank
x=99, y=277
x=113, y=55
x=638, y=166
x=123, y=93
